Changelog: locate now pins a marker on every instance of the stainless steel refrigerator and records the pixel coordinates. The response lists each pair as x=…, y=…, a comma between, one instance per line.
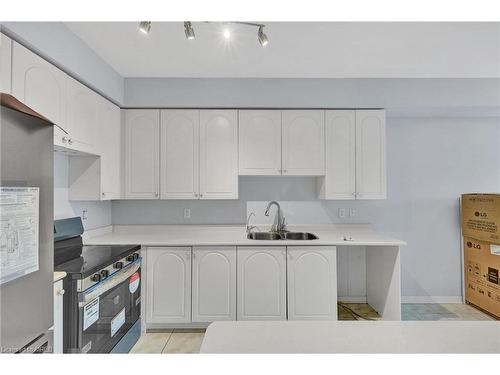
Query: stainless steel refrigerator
x=26, y=297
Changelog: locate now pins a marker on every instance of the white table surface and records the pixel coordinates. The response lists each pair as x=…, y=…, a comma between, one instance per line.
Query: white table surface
x=235, y=235
x=353, y=337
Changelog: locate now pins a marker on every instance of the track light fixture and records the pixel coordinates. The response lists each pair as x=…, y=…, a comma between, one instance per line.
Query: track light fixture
x=145, y=27
x=188, y=30
x=262, y=37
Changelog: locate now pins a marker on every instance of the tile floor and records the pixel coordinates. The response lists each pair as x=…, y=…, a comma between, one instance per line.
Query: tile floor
x=189, y=341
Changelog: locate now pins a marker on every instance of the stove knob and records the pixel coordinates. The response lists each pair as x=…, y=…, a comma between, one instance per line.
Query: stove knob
x=130, y=258
x=136, y=256
x=118, y=265
x=96, y=277
x=104, y=273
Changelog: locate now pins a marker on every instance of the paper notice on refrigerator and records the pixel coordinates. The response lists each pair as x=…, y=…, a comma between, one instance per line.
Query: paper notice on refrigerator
x=19, y=227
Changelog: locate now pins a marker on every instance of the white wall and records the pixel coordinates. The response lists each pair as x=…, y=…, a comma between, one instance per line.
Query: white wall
x=98, y=213
x=450, y=97
x=430, y=162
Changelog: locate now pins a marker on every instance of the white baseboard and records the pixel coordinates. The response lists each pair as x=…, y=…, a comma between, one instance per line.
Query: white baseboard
x=431, y=299
x=348, y=299
x=409, y=299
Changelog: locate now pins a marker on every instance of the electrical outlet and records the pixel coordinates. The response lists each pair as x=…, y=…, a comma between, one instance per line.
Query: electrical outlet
x=187, y=213
x=342, y=212
x=352, y=212
x=84, y=214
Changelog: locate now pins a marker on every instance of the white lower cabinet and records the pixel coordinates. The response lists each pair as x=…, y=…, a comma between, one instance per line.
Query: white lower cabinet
x=168, y=290
x=261, y=283
x=58, y=316
x=312, y=283
x=214, y=284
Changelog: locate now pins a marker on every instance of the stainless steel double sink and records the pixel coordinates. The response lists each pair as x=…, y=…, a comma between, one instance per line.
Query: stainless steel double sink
x=274, y=236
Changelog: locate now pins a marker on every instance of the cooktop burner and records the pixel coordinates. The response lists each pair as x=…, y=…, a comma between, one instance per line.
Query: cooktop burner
x=93, y=258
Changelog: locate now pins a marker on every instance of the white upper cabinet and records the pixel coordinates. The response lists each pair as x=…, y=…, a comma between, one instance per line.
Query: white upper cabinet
x=109, y=147
x=312, y=283
x=303, y=142
x=370, y=155
x=340, y=178
x=260, y=142
x=39, y=85
x=142, y=158
x=355, y=156
x=168, y=287
x=218, y=154
x=179, y=162
x=261, y=283
x=82, y=114
x=214, y=284
x=5, y=64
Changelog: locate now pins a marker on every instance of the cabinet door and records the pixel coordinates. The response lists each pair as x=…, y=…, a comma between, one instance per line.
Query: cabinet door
x=82, y=116
x=261, y=283
x=214, y=284
x=312, y=283
x=39, y=85
x=142, y=159
x=109, y=147
x=179, y=154
x=168, y=287
x=5, y=63
x=303, y=137
x=58, y=317
x=370, y=154
x=218, y=154
x=260, y=142
x=340, y=176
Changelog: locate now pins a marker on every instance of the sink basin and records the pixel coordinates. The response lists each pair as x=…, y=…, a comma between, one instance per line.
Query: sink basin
x=266, y=236
x=271, y=236
x=299, y=236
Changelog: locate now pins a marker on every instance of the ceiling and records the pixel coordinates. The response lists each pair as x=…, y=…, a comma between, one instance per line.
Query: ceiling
x=299, y=50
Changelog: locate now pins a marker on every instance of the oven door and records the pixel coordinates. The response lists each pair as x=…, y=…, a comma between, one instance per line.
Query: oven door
x=109, y=309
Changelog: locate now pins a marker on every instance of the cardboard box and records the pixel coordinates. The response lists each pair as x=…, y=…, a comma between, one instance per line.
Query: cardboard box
x=482, y=278
x=481, y=217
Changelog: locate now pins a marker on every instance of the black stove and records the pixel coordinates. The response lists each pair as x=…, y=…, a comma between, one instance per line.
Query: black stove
x=103, y=299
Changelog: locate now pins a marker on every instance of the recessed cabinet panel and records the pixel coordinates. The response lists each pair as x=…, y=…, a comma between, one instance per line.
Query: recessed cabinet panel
x=5, y=64
x=261, y=283
x=168, y=285
x=82, y=116
x=214, y=284
x=218, y=154
x=312, y=283
x=303, y=142
x=142, y=142
x=179, y=154
x=370, y=154
x=340, y=178
x=109, y=147
x=39, y=85
x=260, y=142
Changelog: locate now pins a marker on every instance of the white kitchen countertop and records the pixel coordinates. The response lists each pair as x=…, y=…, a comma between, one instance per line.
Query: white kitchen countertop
x=235, y=235
x=59, y=275
x=353, y=337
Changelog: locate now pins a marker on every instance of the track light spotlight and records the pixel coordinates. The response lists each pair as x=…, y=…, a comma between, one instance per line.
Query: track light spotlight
x=188, y=30
x=263, y=40
x=145, y=27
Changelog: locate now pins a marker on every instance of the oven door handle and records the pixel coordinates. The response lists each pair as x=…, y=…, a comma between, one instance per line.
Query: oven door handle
x=108, y=284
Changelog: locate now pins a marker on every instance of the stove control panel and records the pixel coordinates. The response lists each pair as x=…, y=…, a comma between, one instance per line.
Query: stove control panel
x=107, y=272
